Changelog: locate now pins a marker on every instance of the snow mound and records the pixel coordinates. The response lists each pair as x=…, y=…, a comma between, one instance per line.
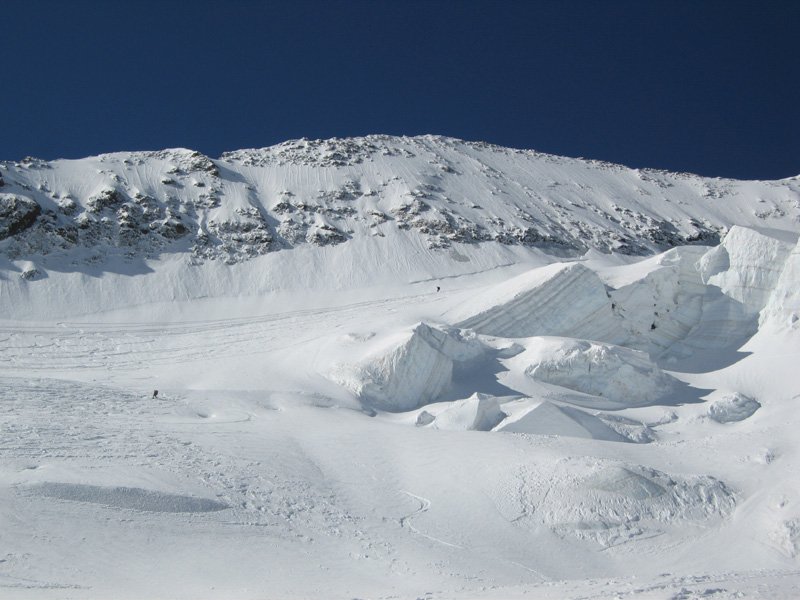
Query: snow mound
x=479, y=412
x=637, y=492
x=620, y=480
x=568, y=300
x=635, y=431
x=787, y=536
x=612, y=504
x=621, y=374
x=410, y=373
x=732, y=408
x=550, y=419
x=125, y=497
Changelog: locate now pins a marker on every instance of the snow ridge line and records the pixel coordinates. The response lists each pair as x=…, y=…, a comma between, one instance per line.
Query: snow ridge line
x=325, y=193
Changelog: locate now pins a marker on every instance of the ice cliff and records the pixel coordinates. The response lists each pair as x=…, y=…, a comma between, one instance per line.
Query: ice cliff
x=563, y=327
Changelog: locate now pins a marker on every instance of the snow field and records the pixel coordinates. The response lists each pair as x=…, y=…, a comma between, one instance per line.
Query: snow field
x=395, y=440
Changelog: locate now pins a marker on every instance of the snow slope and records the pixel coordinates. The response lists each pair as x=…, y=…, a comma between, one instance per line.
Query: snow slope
x=396, y=367
x=404, y=208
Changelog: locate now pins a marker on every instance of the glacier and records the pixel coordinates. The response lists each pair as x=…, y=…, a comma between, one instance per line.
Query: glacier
x=393, y=366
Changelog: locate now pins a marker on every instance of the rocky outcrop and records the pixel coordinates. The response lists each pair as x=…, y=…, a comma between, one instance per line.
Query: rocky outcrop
x=446, y=192
x=16, y=214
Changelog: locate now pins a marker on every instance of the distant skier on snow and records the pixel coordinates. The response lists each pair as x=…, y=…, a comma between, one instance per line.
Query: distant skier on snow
x=155, y=393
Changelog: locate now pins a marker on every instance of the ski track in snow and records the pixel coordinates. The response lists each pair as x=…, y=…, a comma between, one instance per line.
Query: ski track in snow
x=424, y=505
x=77, y=346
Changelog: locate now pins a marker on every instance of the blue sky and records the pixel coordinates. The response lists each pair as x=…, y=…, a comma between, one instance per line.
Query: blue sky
x=705, y=87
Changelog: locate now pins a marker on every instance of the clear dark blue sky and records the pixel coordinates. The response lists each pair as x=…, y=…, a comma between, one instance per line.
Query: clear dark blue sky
x=707, y=87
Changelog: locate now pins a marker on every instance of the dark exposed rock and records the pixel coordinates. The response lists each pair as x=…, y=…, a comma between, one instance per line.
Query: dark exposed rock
x=234, y=241
x=172, y=229
x=17, y=214
x=318, y=153
x=31, y=274
x=108, y=198
x=326, y=235
x=199, y=162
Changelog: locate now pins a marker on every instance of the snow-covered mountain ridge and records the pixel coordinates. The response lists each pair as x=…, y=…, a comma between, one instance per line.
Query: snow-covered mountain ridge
x=326, y=192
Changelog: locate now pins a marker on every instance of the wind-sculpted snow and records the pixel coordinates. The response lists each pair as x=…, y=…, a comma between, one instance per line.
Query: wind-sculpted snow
x=689, y=301
x=620, y=374
x=724, y=322
x=568, y=300
x=672, y=312
x=694, y=299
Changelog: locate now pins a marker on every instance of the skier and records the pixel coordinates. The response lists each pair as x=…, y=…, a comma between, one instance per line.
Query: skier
x=155, y=393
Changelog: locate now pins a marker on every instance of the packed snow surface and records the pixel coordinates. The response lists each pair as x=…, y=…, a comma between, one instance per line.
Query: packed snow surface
x=396, y=367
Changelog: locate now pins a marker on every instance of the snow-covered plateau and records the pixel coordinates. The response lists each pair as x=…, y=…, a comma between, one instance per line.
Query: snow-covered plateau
x=396, y=368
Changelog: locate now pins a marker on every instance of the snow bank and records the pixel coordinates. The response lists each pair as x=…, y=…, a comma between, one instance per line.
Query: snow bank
x=410, y=373
x=701, y=299
x=620, y=374
x=787, y=537
x=733, y=407
x=723, y=322
x=479, y=412
x=568, y=300
x=549, y=419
